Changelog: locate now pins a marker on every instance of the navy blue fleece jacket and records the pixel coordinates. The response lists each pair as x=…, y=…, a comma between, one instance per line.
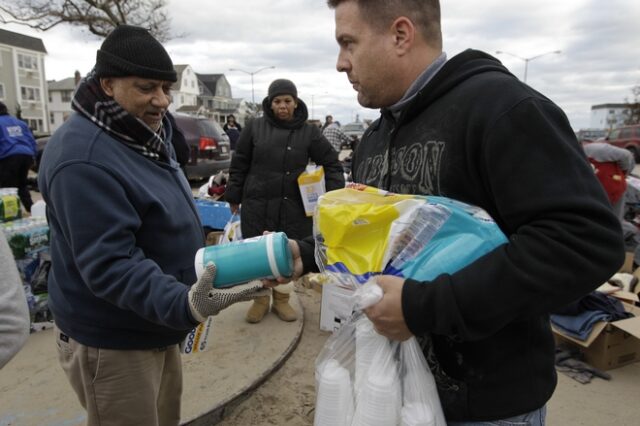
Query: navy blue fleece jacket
x=124, y=232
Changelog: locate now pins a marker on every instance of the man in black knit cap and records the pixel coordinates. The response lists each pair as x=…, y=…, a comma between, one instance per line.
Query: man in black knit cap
x=124, y=233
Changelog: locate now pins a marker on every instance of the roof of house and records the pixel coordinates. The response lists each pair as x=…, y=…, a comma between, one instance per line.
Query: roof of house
x=179, y=69
x=65, y=84
x=23, y=41
x=210, y=81
x=204, y=90
x=189, y=108
x=607, y=106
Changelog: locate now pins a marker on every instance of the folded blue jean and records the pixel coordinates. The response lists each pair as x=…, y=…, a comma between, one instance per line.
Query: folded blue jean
x=579, y=326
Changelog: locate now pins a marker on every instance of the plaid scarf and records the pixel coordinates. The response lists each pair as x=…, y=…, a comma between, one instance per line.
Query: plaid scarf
x=91, y=101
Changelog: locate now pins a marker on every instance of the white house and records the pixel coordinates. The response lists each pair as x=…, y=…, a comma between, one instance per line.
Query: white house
x=22, y=78
x=60, y=95
x=608, y=116
x=215, y=96
x=185, y=91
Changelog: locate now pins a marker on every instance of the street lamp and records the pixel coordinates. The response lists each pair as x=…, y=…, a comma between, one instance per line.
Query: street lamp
x=253, y=99
x=527, y=60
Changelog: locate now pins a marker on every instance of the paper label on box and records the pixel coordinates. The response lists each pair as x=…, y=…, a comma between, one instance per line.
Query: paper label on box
x=312, y=186
x=197, y=340
x=336, y=307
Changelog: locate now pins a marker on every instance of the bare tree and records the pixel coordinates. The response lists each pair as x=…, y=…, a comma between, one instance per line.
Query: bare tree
x=98, y=16
x=633, y=116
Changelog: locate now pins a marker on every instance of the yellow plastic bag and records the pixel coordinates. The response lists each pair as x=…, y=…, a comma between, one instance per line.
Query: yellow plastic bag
x=361, y=231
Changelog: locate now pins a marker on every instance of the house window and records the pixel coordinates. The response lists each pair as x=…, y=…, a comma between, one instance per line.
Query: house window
x=30, y=93
x=1, y=91
x=66, y=95
x=27, y=62
x=34, y=124
x=52, y=118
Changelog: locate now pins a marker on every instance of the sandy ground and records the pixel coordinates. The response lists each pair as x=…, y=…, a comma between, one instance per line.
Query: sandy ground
x=288, y=397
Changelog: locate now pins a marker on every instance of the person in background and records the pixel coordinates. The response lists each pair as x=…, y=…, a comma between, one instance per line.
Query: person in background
x=14, y=312
x=612, y=165
x=336, y=136
x=327, y=120
x=124, y=234
x=478, y=135
x=271, y=153
x=17, y=153
x=232, y=128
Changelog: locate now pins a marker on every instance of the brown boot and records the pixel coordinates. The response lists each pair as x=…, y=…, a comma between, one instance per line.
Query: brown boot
x=282, y=308
x=258, y=310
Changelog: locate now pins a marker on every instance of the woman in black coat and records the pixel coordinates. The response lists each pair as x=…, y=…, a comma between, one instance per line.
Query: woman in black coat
x=270, y=155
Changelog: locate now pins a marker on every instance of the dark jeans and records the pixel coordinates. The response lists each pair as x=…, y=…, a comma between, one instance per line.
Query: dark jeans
x=13, y=174
x=534, y=418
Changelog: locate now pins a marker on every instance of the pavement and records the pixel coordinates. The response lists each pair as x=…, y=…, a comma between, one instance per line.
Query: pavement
x=36, y=392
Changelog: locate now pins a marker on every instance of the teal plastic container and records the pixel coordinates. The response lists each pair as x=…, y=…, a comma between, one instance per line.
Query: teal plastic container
x=238, y=262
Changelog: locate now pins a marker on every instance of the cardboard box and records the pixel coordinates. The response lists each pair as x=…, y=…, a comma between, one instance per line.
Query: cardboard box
x=336, y=306
x=610, y=344
x=627, y=266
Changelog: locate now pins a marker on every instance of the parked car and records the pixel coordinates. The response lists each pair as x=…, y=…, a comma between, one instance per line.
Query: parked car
x=210, y=148
x=354, y=131
x=627, y=137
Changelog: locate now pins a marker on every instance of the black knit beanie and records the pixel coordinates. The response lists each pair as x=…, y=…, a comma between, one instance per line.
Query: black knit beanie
x=282, y=87
x=132, y=51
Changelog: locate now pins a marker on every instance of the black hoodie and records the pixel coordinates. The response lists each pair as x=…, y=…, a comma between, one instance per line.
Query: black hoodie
x=476, y=134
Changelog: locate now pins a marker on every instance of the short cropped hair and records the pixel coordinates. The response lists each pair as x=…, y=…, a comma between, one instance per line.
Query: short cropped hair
x=425, y=14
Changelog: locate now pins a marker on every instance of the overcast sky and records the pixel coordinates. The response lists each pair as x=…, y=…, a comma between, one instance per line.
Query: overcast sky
x=599, y=63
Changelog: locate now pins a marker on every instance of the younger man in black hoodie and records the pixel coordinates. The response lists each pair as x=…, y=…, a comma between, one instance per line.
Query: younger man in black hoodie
x=467, y=129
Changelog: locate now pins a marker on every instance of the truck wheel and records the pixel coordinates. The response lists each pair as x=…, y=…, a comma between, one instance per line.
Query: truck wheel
x=636, y=154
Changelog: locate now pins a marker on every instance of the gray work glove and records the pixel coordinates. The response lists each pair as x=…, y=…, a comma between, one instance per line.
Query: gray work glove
x=205, y=300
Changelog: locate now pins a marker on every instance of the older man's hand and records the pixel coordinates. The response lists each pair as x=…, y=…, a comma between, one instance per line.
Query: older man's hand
x=386, y=315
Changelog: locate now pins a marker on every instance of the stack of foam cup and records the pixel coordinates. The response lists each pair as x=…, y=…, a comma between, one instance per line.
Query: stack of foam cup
x=416, y=414
x=379, y=399
x=421, y=405
x=368, y=342
x=334, y=403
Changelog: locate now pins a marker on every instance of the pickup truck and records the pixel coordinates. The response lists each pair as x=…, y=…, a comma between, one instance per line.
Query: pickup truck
x=627, y=137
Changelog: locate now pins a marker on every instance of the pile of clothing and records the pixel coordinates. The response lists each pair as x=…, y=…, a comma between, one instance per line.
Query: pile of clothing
x=577, y=320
